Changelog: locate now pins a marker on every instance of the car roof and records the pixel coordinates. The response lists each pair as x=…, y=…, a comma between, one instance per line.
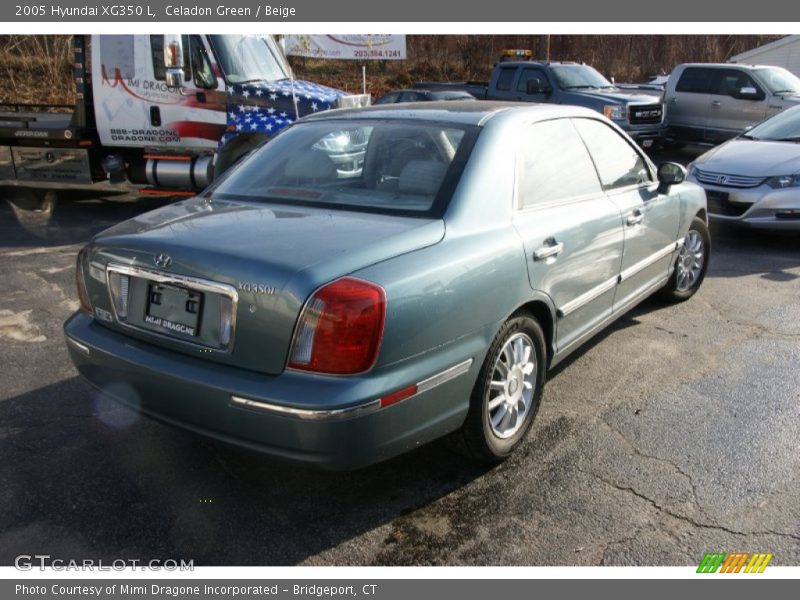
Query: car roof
x=461, y=113
x=726, y=65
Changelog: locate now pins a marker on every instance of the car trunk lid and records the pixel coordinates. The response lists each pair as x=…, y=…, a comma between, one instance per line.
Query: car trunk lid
x=267, y=259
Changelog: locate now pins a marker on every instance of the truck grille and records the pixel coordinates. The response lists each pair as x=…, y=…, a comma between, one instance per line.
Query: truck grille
x=642, y=114
x=725, y=180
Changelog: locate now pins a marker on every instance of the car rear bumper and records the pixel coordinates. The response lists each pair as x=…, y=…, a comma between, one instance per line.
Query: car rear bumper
x=329, y=422
x=760, y=207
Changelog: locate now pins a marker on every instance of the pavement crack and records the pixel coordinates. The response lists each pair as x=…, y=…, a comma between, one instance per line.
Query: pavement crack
x=684, y=518
x=660, y=459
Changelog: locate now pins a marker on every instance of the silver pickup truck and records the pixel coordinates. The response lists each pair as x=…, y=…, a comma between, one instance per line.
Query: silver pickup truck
x=710, y=103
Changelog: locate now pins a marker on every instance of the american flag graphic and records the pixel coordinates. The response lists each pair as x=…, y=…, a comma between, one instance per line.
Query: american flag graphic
x=267, y=108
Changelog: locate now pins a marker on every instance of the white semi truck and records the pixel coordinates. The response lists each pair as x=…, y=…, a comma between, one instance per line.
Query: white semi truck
x=164, y=113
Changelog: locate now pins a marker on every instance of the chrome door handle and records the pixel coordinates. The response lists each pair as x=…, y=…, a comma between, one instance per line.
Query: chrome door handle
x=550, y=248
x=635, y=218
x=716, y=104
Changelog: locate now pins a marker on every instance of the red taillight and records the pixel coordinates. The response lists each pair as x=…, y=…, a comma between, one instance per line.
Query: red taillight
x=340, y=329
x=80, y=283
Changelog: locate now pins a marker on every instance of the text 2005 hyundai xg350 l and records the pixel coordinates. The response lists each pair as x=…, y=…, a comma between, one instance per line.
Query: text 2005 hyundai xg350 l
x=373, y=279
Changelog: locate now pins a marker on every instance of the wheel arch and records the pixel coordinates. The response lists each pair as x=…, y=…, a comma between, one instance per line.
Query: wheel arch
x=544, y=313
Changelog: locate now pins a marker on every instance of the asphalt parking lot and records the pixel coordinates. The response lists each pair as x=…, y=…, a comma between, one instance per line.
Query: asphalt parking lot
x=674, y=433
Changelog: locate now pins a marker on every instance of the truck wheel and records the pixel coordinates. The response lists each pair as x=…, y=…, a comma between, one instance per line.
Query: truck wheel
x=691, y=264
x=235, y=150
x=506, y=396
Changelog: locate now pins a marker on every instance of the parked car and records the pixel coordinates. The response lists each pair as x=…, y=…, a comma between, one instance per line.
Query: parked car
x=423, y=96
x=639, y=114
x=339, y=318
x=712, y=103
x=754, y=179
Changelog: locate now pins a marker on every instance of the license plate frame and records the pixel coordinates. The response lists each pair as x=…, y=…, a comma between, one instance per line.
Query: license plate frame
x=173, y=310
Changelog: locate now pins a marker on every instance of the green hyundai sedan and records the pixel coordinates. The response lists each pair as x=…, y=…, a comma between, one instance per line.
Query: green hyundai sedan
x=373, y=279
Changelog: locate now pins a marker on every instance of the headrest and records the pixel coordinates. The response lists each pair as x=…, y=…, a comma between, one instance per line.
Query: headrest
x=421, y=177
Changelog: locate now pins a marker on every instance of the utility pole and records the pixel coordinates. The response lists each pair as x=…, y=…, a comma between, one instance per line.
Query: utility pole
x=544, y=46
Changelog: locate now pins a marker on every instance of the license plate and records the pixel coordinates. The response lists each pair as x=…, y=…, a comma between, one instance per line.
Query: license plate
x=717, y=201
x=174, y=310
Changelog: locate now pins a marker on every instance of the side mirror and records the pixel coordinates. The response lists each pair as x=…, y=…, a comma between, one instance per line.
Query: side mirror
x=537, y=86
x=173, y=61
x=669, y=174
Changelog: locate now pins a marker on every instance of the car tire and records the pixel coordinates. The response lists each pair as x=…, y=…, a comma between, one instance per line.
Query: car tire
x=691, y=264
x=505, y=400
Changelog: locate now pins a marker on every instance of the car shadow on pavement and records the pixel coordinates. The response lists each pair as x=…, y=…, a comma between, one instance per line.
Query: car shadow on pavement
x=754, y=251
x=31, y=217
x=84, y=477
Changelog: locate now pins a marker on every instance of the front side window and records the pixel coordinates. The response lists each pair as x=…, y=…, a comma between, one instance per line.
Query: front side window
x=554, y=165
x=531, y=74
x=731, y=82
x=388, y=166
x=196, y=62
x=618, y=163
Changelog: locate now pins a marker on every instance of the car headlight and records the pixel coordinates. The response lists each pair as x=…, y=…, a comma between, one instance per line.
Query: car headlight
x=784, y=181
x=615, y=112
x=691, y=169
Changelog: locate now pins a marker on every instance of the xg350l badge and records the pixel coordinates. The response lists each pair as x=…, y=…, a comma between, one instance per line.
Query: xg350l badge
x=256, y=288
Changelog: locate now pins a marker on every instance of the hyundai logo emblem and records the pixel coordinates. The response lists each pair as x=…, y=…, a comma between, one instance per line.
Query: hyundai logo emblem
x=722, y=179
x=163, y=260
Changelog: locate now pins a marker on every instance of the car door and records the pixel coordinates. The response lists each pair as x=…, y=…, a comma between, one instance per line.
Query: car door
x=687, y=104
x=572, y=232
x=730, y=112
x=650, y=219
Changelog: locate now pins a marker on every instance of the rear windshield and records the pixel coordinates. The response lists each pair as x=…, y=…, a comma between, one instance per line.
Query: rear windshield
x=391, y=166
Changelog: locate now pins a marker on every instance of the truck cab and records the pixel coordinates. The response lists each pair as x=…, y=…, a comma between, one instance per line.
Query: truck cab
x=639, y=115
x=165, y=112
x=709, y=103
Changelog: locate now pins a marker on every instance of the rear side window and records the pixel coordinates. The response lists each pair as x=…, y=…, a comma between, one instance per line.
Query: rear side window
x=695, y=80
x=618, y=163
x=554, y=165
x=505, y=79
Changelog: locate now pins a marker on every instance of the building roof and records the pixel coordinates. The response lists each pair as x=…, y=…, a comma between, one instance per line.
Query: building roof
x=744, y=56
